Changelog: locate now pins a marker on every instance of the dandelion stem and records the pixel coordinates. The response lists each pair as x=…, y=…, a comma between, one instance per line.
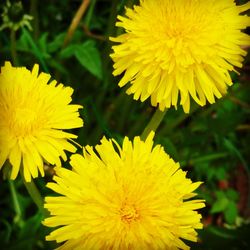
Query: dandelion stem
x=153, y=123
x=16, y=204
x=34, y=194
x=75, y=21
x=13, y=47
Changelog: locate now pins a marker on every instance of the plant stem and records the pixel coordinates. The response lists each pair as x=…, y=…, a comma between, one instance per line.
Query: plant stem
x=75, y=21
x=154, y=123
x=34, y=194
x=13, y=47
x=17, y=208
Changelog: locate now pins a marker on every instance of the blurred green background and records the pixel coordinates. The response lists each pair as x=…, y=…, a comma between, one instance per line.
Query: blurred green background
x=211, y=143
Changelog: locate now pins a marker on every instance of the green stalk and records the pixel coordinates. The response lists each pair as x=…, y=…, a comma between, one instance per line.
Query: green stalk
x=18, y=218
x=34, y=194
x=154, y=123
x=13, y=47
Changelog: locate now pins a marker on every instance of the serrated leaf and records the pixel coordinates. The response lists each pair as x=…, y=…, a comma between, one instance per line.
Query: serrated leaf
x=89, y=57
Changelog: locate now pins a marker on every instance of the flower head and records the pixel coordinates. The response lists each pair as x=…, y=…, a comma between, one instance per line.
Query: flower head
x=129, y=197
x=33, y=114
x=183, y=48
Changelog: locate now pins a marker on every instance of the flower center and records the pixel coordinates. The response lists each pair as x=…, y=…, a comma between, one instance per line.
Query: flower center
x=129, y=213
x=24, y=122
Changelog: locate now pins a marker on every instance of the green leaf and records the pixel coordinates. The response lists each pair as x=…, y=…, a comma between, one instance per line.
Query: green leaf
x=68, y=51
x=89, y=57
x=231, y=212
x=43, y=42
x=23, y=44
x=56, y=43
x=220, y=205
x=34, y=48
x=220, y=194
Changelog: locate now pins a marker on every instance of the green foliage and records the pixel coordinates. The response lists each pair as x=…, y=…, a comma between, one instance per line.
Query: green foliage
x=211, y=143
x=225, y=202
x=87, y=55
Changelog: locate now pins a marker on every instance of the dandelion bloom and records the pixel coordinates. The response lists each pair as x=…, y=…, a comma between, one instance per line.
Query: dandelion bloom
x=129, y=197
x=184, y=47
x=33, y=114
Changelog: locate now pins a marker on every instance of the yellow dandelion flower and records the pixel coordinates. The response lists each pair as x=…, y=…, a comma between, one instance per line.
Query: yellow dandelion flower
x=33, y=114
x=129, y=197
x=175, y=49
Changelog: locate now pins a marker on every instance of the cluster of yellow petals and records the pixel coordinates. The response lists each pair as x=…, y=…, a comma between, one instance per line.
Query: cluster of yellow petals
x=33, y=114
x=175, y=49
x=130, y=197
